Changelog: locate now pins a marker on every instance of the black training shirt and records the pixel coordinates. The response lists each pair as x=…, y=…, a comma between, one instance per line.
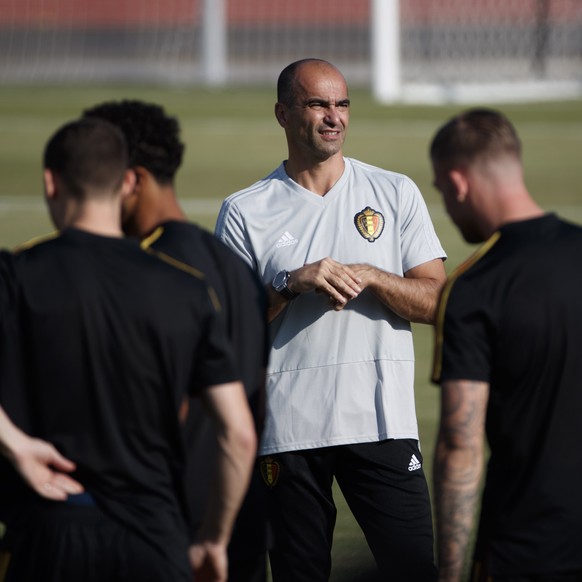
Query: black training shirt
x=244, y=302
x=512, y=316
x=111, y=339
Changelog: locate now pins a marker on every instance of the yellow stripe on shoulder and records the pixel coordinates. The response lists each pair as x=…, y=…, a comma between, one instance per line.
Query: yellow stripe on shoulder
x=147, y=242
x=176, y=263
x=188, y=269
x=440, y=317
x=35, y=241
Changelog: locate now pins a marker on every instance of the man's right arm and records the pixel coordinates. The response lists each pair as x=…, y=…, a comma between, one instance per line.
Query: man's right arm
x=339, y=282
x=38, y=462
x=237, y=445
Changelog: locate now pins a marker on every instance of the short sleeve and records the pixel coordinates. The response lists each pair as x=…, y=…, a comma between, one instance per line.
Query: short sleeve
x=215, y=361
x=463, y=335
x=230, y=229
x=419, y=240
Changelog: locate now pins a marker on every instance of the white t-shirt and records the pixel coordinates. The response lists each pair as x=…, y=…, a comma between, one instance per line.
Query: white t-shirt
x=334, y=377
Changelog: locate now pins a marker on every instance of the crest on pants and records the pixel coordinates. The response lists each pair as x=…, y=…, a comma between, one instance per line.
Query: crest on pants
x=369, y=223
x=270, y=471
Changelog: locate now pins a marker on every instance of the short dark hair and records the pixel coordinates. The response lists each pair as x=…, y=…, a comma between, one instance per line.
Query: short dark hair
x=153, y=137
x=286, y=80
x=88, y=155
x=478, y=132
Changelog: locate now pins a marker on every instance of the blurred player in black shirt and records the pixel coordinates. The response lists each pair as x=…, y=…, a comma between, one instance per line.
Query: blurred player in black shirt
x=153, y=213
x=100, y=345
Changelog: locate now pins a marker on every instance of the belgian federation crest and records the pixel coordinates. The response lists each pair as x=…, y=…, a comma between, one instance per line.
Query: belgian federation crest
x=369, y=223
x=270, y=471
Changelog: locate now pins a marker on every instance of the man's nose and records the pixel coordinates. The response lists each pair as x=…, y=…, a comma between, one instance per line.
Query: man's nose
x=332, y=115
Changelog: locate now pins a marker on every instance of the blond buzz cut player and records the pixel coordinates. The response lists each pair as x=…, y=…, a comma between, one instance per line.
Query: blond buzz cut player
x=507, y=358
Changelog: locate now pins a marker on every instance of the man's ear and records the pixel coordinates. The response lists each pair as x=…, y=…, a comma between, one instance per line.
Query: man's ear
x=128, y=185
x=49, y=182
x=281, y=114
x=141, y=176
x=459, y=180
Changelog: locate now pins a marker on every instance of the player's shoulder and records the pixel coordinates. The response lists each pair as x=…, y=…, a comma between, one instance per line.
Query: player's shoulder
x=233, y=269
x=476, y=274
x=177, y=278
x=371, y=172
x=219, y=249
x=36, y=244
x=174, y=233
x=159, y=261
x=36, y=254
x=249, y=194
x=194, y=245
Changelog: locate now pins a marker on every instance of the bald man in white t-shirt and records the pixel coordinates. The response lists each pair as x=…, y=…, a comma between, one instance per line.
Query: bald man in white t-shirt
x=349, y=256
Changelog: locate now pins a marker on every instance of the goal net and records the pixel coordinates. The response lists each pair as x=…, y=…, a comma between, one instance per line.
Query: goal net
x=446, y=49
x=505, y=48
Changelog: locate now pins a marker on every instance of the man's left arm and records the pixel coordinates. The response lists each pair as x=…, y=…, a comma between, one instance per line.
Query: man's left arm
x=413, y=297
x=458, y=467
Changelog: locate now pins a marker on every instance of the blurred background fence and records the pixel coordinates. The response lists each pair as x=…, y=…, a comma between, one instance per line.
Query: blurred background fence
x=411, y=50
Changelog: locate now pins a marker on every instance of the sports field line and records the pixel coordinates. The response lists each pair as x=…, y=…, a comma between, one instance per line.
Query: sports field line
x=211, y=206
x=268, y=126
x=18, y=204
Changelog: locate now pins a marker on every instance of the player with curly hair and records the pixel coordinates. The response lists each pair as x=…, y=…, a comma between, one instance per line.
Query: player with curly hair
x=153, y=213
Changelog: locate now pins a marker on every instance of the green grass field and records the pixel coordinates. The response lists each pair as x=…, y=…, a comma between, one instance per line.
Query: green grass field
x=233, y=140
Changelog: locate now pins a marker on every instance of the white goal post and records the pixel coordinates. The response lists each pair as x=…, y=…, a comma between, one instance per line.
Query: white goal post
x=214, y=43
x=386, y=79
x=453, y=50
x=384, y=38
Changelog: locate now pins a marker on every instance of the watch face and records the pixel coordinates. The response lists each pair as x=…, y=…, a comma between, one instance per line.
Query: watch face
x=280, y=279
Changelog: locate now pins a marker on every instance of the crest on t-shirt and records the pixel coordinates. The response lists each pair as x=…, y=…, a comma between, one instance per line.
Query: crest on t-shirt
x=270, y=471
x=370, y=223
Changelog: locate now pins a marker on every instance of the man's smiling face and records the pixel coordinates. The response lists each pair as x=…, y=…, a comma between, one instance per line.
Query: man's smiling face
x=317, y=120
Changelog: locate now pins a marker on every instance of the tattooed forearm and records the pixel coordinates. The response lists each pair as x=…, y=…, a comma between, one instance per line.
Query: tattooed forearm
x=457, y=471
